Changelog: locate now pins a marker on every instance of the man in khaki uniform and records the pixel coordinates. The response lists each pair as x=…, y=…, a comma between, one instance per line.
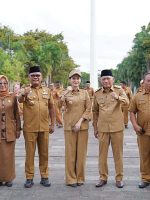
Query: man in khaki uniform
x=125, y=106
x=108, y=126
x=38, y=110
x=90, y=90
x=140, y=118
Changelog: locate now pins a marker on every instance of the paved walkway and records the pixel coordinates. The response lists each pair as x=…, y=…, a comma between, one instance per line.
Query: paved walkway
x=58, y=190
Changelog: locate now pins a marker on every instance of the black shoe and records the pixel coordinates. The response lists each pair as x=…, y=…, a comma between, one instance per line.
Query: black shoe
x=143, y=184
x=9, y=184
x=119, y=184
x=79, y=184
x=101, y=183
x=29, y=183
x=45, y=182
x=1, y=183
x=72, y=185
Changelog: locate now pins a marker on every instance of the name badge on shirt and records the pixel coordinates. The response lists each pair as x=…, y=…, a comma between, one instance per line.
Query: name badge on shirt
x=45, y=92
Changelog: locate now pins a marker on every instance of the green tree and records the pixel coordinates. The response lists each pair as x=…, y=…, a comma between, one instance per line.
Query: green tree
x=133, y=67
x=19, y=52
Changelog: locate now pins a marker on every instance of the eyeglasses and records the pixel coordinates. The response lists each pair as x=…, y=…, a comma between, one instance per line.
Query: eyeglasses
x=35, y=75
x=3, y=83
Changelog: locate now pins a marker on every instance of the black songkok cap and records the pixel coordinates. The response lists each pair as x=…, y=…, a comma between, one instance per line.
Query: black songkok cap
x=34, y=69
x=106, y=72
x=87, y=81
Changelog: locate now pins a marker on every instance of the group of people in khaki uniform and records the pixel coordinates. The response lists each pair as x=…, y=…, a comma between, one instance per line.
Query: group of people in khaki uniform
x=108, y=121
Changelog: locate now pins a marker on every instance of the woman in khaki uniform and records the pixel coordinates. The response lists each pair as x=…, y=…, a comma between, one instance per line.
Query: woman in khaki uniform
x=76, y=116
x=9, y=131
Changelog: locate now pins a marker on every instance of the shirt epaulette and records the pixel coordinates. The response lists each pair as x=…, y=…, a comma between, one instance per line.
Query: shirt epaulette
x=98, y=89
x=117, y=86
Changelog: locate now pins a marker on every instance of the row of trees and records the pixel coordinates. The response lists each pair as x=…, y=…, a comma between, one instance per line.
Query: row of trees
x=137, y=62
x=19, y=52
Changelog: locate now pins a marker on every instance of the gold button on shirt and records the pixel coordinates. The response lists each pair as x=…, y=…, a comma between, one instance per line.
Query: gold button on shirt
x=107, y=114
x=140, y=104
x=36, y=110
x=78, y=105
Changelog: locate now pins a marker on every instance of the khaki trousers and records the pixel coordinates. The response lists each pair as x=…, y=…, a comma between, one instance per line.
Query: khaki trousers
x=125, y=115
x=58, y=115
x=75, y=156
x=116, y=140
x=7, y=161
x=42, y=141
x=144, y=152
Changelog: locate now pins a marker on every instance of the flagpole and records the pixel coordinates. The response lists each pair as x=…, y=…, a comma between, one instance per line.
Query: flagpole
x=93, y=67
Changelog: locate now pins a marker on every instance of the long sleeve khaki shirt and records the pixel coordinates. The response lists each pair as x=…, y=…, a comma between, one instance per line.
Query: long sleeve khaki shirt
x=36, y=110
x=13, y=123
x=140, y=105
x=90, y=92
x=77, y=105
x=128, y=92
x=107, y=114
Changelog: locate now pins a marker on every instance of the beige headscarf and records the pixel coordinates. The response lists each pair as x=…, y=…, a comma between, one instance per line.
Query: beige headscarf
x=5, y=93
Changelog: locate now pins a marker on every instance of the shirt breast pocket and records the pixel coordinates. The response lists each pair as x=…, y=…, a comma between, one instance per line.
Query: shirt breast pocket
x=45, y=96
x=45, y=99
x=69, y=99
x=101, y=102
x=142, y=104
x=30, y=100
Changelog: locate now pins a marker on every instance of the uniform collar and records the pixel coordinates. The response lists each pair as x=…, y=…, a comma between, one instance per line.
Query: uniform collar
x=111, y=89
x=40, y=86
x=78, y=90
x=145, y=92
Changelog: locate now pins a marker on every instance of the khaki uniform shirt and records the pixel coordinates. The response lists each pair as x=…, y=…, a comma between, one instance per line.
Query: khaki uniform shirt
x=90, y=92
x=140, y=105
x=129, y=95
x=140, y=89
x=107, y=114
x=59, y=91
x=36, y=110
x=9, y=106
x=77, y=105
x=55, y=95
